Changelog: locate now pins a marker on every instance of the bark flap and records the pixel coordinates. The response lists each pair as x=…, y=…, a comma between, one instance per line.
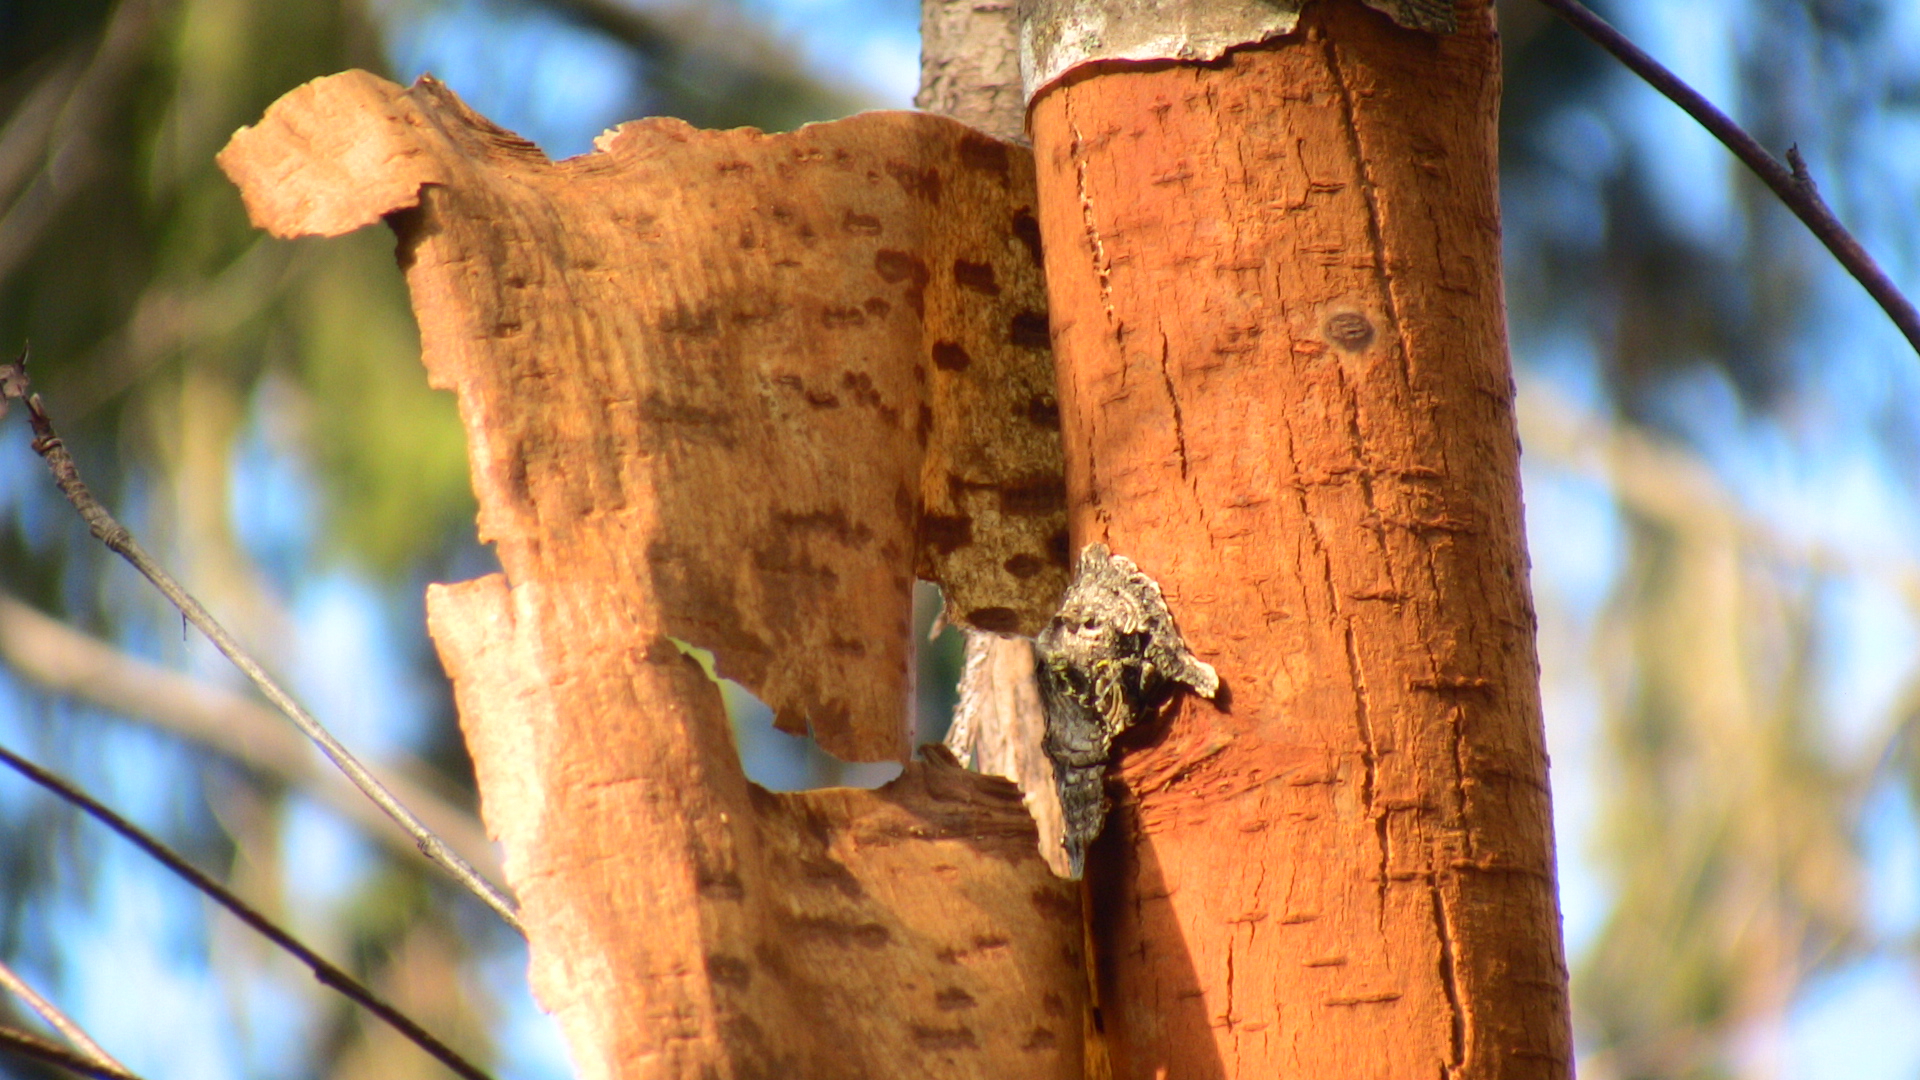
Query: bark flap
x=786, y=373
x=735, y=390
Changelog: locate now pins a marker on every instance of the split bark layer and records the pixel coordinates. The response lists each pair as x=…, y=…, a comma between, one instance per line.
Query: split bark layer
x=1275, y=291
x=733, y=390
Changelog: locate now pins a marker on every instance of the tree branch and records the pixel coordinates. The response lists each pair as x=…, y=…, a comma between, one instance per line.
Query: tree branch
x=64, y=661
x=1790, y=181
x=46, y=443
x=324, y=971
x=56, y=1019
x=39, y=1049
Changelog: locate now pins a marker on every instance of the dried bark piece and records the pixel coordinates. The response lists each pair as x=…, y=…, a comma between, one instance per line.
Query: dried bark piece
x=686, y=923
x=1000, y=729
x=774, y=376
x=733, y=389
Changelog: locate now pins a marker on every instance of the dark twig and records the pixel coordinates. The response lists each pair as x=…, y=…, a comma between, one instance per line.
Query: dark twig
x=39, y=1049
x=46, y=443
x=57, y=1020
x=64, y=661
x=1788, y=180
x=324, y=971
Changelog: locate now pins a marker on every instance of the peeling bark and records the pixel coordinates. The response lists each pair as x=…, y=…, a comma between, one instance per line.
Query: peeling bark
x=970, y=70
x=734, y=390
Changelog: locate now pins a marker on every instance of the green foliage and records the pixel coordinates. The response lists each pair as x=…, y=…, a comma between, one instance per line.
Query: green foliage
x=389, y=449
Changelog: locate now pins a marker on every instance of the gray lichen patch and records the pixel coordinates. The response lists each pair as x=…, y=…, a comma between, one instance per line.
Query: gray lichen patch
x=1059, y=35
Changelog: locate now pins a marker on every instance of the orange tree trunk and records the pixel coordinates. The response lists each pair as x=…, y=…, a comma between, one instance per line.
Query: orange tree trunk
x=1275, y=290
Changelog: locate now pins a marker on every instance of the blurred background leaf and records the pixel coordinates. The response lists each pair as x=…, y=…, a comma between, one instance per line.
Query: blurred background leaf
x=1721, y=444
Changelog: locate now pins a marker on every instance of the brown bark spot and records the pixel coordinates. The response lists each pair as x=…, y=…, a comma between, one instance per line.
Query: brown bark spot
x=1054, y=905
x=938, y=1038
x=997, y=620
x=921, y=183
x=1026, y=229
x=946, y=533
x=988, y=155
x=952, y=999
x=861, y=224
x=1029, y=330
x=977, y=276
x=1023, y=565
x=837, y=317
x=730, y=971
x=950, y=356
x=1032, y=496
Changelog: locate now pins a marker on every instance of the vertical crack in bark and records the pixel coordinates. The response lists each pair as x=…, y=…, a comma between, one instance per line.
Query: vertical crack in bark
x=1179, y=427
x=1299, y=488
x=1457, y=715
x=1457, y=720
x=1364, y=473
x=1102, y=272
x=1377, y=525
x=1449, y=976
x=1093, y=483
x=1102, y=268
x=1364, y=478
x=1370, y=758
x=1226, y=1013
x=1371, y=194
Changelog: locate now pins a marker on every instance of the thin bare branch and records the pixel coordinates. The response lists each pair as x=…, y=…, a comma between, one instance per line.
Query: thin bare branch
x=56, y=1019
x=39, y=1049
x=324, y=971
x=66, y=474
x=64, y=661
x=1789, y=180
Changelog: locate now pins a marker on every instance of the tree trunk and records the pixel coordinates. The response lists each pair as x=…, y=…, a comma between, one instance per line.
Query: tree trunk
x=970, y=65
x=1274, y=282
